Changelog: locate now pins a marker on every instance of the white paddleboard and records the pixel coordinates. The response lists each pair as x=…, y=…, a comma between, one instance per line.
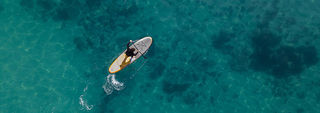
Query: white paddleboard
x=141, y=46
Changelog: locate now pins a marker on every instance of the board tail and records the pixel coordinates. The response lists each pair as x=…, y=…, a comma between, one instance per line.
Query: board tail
x=112, y=84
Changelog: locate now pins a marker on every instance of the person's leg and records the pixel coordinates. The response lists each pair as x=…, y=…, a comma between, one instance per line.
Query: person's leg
x=128, y=59
x=124, y=62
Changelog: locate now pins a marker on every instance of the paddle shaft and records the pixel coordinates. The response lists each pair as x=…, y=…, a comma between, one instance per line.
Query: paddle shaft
x=139, y=51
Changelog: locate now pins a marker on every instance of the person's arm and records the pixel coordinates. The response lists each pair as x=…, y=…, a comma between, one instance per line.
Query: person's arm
x=128, y=45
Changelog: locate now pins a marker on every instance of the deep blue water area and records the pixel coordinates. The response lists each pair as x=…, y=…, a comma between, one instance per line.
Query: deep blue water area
x=207, y=56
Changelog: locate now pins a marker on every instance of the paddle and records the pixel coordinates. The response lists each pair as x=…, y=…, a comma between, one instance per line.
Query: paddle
x=139, y=51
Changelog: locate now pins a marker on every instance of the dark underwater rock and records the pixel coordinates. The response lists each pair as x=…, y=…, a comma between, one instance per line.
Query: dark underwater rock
x=265, y=40
x=221, y=40
x=280, y=60
x=285, y=60
x=270, y=56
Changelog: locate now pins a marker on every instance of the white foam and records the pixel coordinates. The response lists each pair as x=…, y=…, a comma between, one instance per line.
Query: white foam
x=112, y=84
x=107, y=88
x=116, y=84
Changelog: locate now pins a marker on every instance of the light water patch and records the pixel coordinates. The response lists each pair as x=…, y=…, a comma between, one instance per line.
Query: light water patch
x=112, y=84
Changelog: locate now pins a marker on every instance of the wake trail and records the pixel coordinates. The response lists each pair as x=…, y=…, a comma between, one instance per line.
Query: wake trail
x=83, y=101
x=112, y=84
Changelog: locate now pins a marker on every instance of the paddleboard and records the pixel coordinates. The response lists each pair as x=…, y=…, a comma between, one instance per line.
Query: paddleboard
x=141, y=46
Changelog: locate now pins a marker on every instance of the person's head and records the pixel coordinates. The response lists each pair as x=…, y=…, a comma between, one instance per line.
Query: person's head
x=132, y=49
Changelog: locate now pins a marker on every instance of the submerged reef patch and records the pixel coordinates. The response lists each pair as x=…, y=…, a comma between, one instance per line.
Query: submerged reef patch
x=271, y=54
x=280, y=60
x=220, y=41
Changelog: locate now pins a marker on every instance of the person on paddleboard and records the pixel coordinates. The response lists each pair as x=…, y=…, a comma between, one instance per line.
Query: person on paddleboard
x=129, y=53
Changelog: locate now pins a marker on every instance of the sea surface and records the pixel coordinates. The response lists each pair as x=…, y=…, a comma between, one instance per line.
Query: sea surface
x=207, y=56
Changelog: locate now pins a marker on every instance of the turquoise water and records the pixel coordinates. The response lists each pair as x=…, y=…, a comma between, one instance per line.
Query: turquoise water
x=208, y=56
